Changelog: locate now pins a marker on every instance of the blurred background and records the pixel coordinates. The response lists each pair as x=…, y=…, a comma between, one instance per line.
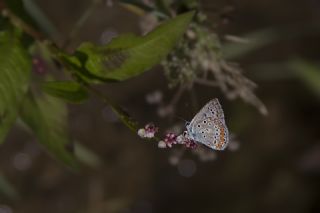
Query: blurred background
x=273, y=164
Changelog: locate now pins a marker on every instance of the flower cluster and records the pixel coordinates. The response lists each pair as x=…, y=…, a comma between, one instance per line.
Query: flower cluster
x=172, y=139
x=148, y=131
x=169, y=140
x=203, y=153
x=198, y=59
x=190, y=144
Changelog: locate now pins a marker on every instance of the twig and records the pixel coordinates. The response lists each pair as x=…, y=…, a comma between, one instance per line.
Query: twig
x=16, y=21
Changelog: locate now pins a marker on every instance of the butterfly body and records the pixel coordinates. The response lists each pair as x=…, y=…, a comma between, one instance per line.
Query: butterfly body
x=208, y=126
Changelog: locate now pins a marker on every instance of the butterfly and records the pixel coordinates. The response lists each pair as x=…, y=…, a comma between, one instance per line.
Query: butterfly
x=208, y=126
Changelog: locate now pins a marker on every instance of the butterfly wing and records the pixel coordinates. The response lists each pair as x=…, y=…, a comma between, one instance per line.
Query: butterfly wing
x=212, y=110
x=208, y=126
x=210, y=132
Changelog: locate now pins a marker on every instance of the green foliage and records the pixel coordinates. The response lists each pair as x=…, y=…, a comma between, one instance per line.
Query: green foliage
x=68, y=90
x=15, y=69
x=47, y=118
x=123, y=58
x=128, y=55
x=308, y=72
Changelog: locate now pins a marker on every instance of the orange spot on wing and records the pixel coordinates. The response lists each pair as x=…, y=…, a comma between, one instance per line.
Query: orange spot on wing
x=222, y=137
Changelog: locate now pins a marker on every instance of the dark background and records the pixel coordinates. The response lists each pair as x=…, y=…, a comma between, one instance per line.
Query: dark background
x=275, y=169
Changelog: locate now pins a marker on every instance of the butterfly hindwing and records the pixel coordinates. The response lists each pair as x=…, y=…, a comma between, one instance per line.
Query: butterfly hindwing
x=210, y=132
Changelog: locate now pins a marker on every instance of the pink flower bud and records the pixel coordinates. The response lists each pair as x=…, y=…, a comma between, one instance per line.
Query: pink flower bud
x=148, y=131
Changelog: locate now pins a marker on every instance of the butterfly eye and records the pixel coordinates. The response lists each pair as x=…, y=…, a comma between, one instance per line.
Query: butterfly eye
x=199, y=125
x=187, y=123
x=185, y=133
x=204, y=121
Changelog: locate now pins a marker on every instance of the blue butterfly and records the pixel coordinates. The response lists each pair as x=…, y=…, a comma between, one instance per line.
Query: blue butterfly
x=208, y=126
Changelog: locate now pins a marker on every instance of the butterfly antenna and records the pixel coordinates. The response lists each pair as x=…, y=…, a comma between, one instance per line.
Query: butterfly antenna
x=180, y=118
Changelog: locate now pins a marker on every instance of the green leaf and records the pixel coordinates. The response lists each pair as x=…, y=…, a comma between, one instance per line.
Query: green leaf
x=7, y=189
x=128, y=55
x=67, y=90
x=15, y=69
x=47, y=118
x=87, y=156
x=308, y=72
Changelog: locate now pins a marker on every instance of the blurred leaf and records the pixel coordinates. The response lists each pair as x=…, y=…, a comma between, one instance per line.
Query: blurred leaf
x=309, y=73
x=3, y=22
x=39, y=17
x=128, y=55
x=256, y=40
x=136, y=6
x=47, y=118
x=7, y=189
x=15, y=69
x=163, y=6
x=67, y=90
x=86, y=156
x=18, y=8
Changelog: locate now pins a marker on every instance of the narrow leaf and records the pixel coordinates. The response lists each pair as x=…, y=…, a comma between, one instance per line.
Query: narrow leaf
x=255, y=41
x=47, y=118
x=128, y=55
x=87, y=156
x=15, y=69
x=40, y=17
x=308, y=72
x=67, y=90
x=7, y=189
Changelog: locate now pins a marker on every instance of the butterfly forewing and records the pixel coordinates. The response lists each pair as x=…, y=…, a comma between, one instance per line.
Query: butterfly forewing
x=212, y=110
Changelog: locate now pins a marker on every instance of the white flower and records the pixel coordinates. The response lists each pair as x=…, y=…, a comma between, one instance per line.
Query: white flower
x=142, y=133
x=149, y=134
x=162, y=144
